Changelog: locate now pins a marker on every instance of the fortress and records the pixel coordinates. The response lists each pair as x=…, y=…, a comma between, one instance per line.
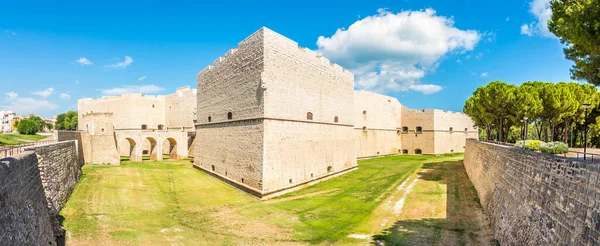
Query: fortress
x=269, y=117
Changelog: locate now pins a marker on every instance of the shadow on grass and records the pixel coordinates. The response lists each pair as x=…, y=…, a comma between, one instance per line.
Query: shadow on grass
x=465, y=223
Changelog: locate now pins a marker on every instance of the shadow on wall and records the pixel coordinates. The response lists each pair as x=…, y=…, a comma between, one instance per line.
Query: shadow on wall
x=465, y=222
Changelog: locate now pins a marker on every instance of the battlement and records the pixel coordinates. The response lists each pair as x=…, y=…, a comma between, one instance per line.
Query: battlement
x=266, y=36
x=101, y=114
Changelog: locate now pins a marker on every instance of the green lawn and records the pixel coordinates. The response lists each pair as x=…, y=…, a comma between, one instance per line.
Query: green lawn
x=16, y=139
x=169, y=202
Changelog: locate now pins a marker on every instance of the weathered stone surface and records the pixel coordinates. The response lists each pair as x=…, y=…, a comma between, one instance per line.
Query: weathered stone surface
x=533, y=198
x=24, y=217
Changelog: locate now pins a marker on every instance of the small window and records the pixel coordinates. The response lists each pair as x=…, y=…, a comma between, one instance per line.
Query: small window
x=311, y=175
x=309, y=116
x=102, y=130
x=144, y=127
x=329, y=169
x=229, y=116
x=418, y=151
x=419, y=129
x=404, y=129
x=466, y=130
x=336, y=119
x=364, y=111
x=377, y=152
x=212, y=167
x=405, y=151
x=145, y=152
x=290, y=181
x=242, y=180
x=160, y=127
x=451, y=151
x=451, y=130
x=364, y=128
x=152, y=105
x=209, y=119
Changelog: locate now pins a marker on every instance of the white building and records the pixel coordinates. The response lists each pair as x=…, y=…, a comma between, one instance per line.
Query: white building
x=5, y=124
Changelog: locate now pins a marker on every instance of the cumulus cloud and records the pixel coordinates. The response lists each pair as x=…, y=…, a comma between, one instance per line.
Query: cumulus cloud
x=26, y=105
x=132, y=89
x=65, y=96
x=142, y=78
x=11, y=95
x=124, y=64
x=542, y=12
x=484, y=74
x=84, y=61
x=392, y=52
x=45, y=93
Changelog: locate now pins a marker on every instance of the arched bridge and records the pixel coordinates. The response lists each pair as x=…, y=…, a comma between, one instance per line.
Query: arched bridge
x=155, y=143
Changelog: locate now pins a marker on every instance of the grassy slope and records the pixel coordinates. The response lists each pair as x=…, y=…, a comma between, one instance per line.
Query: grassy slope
x=169, y=202
x=16, y=139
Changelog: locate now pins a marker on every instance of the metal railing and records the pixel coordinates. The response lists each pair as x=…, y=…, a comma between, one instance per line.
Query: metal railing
x=569, y=154
x=6, y=150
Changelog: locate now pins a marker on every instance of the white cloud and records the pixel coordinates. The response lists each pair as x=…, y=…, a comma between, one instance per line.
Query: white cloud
x=45, y=93
x=11, y=95
x=65, y=96
x=392, y=52
x=26, y=105
x=124, y=64
x=479, y=55
x=76, y=81
x=484, y=74
x=142, y=78
x=542, y=12
x=132, y=89
x=84, y=61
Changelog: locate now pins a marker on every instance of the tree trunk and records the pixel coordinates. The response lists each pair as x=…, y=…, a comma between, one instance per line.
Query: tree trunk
x=566, y=132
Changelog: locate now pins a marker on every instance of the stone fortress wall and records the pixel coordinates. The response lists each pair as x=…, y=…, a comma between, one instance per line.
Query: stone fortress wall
x=532, y=198
x=34, y=186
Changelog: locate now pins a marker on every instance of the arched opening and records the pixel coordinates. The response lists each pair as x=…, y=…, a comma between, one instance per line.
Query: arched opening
x=170, y=148
x=229, y=116
x=329, y=169
x=209, y=119
x=466, y=130
x=364, y=128
x=127, y=147
x=212, y=167
x=419, y=129
x=309, y=116
x=153, y=151
x=418, y=152
x=336, y=119
x=405, y=151
x=451, y=130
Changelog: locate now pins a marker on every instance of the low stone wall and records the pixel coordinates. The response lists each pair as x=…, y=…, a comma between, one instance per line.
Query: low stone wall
x=24, y=218
x=535, y=199
x=60, y=169
x=34, y=186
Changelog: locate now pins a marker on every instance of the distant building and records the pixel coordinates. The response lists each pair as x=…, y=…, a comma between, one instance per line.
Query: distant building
x=7, y=120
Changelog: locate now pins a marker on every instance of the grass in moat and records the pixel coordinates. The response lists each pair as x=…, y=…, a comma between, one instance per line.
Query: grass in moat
x=169, y=202
x=16, y=139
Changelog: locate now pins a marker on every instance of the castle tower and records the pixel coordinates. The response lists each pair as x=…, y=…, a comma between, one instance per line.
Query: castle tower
x=273, y=117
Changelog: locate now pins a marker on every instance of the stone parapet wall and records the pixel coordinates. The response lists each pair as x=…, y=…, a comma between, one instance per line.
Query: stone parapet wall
x=24, y=218
x=60, y=169
x=533, y=198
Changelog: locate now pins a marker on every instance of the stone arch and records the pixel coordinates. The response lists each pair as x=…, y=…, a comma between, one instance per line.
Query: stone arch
x=128, y=147
x=170, y=148
x=309, y=116
x=154, y=152
x=229, y=116
x=418, y=152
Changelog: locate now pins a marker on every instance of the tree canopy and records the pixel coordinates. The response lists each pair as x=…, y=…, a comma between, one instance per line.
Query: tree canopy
x=67, y=121
x=552, y=108
x=31, y=125
x=577, y=24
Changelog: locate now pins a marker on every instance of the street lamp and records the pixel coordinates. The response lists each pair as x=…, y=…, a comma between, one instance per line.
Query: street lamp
x=585, y=106
x=525, y=131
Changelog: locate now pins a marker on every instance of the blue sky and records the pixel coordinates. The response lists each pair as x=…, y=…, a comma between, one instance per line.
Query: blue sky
x=428, y=54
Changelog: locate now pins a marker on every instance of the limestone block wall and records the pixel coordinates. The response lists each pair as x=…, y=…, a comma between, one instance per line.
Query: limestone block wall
x=130, y=111
x=376, y=121
x=300, y=152
x=447, y=140
x=233, y=151
x=233, y=84
x=535, y=199
x=180, y=108
x=24, y=218
x=60, y=169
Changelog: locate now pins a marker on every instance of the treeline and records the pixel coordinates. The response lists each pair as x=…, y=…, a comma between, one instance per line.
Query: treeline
x=32, y=125
x=67, y=121
x=554, y=112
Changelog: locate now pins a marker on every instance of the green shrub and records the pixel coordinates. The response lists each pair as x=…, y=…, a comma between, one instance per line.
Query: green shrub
x=28, y=127
x=529, y=144
x=554, y=148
